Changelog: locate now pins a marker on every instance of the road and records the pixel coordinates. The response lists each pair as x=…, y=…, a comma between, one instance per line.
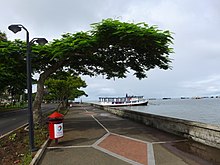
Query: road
x=12, y=120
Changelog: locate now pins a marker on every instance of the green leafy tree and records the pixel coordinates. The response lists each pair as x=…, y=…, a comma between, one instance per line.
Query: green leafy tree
x=63, y=88
x=110, y=48
x=12, y=66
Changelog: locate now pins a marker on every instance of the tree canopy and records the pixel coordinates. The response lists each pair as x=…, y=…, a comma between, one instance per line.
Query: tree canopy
x=12, y=66
x=63, y=86
x=112, y=48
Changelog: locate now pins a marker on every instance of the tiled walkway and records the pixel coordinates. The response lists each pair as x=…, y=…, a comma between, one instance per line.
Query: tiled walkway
x=125, y=147
x=93, y=136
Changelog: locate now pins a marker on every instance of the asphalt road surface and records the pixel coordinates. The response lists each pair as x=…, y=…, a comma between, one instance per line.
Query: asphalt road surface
x=12, y=120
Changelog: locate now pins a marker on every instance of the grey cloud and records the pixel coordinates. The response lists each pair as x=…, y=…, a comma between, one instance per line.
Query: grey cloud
x=196, y=39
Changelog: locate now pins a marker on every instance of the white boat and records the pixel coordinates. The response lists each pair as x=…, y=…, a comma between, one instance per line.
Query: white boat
x=123, y=101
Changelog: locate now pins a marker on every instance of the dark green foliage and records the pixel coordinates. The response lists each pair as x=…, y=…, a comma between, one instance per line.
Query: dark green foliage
x=128, y=45
x=12, y=66
x=112, y=48
x=62, y=86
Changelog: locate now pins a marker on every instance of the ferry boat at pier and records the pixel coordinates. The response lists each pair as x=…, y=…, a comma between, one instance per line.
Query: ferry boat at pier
x=123, y=101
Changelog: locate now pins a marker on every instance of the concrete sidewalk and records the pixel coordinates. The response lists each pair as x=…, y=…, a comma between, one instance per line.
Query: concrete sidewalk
x=95, y=137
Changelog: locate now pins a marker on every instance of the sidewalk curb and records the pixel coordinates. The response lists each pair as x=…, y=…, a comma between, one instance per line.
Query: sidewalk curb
x=39, y=153
x=24, y=125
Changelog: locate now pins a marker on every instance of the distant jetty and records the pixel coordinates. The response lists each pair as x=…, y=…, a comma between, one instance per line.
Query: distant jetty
x=186, y=97
x=166, y=98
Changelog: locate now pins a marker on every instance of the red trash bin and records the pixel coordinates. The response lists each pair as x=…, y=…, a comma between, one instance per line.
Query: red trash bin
x=55, y=121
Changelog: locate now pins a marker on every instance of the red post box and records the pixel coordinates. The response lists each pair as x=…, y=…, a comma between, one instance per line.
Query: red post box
x=55, y=121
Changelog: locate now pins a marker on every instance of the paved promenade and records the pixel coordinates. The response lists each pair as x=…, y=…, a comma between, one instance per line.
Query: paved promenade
x=95, y=137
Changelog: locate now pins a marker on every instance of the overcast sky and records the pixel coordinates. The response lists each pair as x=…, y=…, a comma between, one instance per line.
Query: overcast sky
x=195, y=24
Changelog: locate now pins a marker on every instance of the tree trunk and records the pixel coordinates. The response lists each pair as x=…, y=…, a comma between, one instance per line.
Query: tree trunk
x=66, y=105
x=63, y=103
x=59, y=105
x=37, y=113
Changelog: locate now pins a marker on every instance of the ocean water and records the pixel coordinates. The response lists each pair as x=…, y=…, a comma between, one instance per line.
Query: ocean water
x=205, y=110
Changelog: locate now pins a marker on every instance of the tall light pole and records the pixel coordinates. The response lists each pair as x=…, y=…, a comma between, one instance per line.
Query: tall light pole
x=16, y=28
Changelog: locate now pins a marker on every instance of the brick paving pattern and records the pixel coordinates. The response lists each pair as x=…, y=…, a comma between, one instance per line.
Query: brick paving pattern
x=131, y=149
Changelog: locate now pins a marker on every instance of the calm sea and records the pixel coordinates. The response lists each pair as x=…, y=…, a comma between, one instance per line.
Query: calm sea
x=205, y=110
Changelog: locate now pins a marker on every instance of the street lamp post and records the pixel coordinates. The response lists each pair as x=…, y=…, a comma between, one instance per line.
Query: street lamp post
x=16, y=28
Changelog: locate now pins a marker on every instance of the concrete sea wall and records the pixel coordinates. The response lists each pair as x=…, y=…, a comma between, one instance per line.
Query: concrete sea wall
x=204, y=133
